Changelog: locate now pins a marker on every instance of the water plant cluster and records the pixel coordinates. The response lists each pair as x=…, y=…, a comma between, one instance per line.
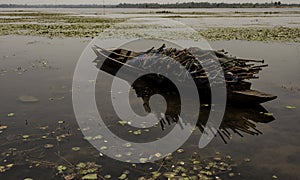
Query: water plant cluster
x=53, y=24
x=252, y=34
x=49, y=148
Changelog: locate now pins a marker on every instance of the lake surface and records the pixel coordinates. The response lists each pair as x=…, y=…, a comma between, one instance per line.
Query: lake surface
x=275, y=152
x=44, y=68
x=211, y=17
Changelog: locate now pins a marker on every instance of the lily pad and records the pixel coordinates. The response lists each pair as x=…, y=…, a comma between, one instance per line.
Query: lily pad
x=48, y=146
x=81, y=165
x=123, y=176
x=143, y=160
x=69, y=177
x=3, y=127
x=231, y=174
x=97, y=137
x=108, y=176
x=90, y=176
x=28, y=99
x=25, y=136
x=88, y=138
x=180, y=150
x=196, y=162
x=137, y=132
x=157, y=155
x=155, y=174
x=9, y=165
x=118, y=155
x=290, y=107
x=247, y=160
x=103, y=148
x=61, y=168
x=2, y=169
x=123, y=123
x=127, y=144
x=10, y=114
x=217, y=158
x=44, y=127
x=75, y=148
x=268, y=114
x=169, y=174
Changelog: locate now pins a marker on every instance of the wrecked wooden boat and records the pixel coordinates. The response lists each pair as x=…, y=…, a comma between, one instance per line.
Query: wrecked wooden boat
x=236, y=71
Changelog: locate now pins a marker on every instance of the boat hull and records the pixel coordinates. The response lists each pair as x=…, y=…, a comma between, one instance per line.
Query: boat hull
x=238, y=93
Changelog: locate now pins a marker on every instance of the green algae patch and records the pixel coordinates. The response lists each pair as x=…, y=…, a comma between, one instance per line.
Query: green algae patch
x=252, y=34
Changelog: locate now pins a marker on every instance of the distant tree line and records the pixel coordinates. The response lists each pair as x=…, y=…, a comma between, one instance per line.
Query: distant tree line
x=54, y=6
x=157, y=5
x=207, y=5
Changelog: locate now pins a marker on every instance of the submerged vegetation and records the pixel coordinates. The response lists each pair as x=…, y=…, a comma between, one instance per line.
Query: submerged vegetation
x=252, y=34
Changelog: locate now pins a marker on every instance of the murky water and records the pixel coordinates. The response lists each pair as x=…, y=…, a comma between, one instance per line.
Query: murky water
x=43, y=68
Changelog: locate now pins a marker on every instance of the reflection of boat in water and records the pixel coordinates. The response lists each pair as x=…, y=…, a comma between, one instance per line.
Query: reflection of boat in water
x=236, y=70
x=236, y=120
x=239, y=120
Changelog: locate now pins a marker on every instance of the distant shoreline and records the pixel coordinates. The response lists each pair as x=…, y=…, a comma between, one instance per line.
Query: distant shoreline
x=190, y=5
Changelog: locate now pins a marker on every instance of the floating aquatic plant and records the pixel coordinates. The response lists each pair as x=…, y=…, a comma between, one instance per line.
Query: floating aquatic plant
x=252, y=34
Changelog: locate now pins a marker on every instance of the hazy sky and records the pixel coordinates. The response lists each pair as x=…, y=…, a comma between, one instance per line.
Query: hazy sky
x=130, y=1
